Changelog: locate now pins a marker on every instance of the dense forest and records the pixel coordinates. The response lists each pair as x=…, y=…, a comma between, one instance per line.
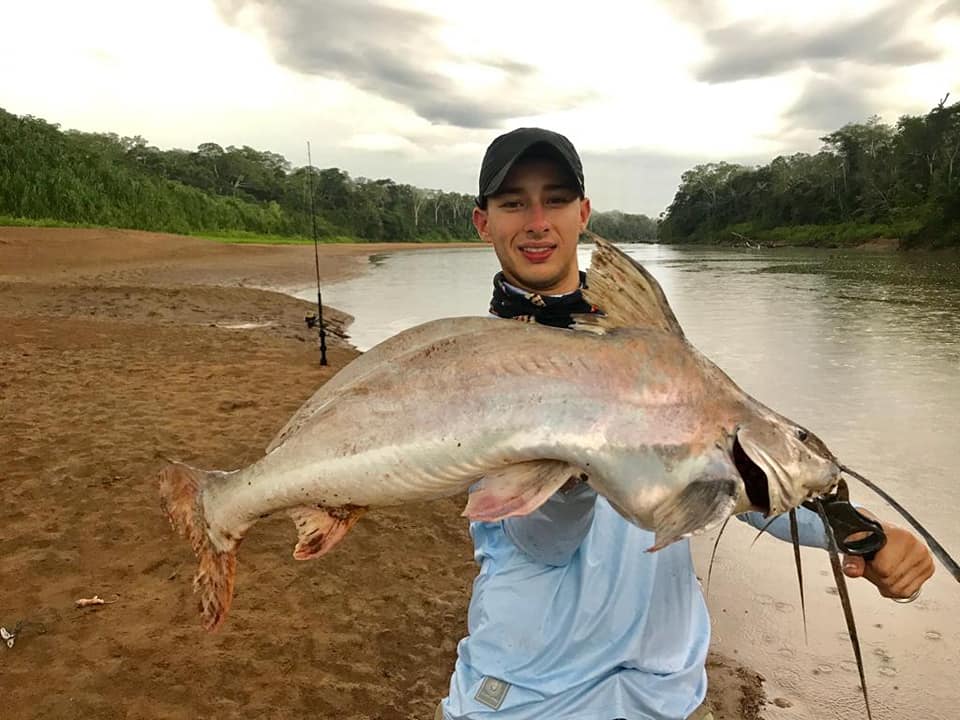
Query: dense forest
x=102, y=179
x=869, y=180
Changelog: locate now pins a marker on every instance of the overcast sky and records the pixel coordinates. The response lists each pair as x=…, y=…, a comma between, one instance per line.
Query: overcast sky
x=416, y=89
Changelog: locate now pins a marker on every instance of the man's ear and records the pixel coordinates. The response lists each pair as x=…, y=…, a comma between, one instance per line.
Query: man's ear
x=584, y=213
x=480, y=220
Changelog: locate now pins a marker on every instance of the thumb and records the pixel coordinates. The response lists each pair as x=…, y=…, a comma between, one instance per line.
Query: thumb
x=853, y=566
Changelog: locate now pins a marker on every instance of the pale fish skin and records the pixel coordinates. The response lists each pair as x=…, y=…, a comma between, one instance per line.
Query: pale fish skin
x=623, y=400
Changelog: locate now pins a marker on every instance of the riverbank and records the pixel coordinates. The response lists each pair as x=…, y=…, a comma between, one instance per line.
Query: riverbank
x=870, y=236
x=118, y=348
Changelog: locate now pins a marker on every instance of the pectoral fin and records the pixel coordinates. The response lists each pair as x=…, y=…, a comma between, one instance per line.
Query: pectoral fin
x=320, y=528
x=517, y=489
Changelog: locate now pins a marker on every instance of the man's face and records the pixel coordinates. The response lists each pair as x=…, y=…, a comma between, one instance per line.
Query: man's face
x=533, y=223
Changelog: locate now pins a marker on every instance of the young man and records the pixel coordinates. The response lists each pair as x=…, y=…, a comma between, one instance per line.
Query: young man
x=570, y=618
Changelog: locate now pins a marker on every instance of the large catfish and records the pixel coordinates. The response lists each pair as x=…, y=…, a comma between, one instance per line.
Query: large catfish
x=512, y=411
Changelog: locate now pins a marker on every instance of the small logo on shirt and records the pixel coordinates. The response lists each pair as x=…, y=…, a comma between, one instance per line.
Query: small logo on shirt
x=492, y=692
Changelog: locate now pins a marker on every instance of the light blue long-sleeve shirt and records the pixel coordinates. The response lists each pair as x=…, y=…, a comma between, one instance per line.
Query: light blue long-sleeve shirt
x=571, y=618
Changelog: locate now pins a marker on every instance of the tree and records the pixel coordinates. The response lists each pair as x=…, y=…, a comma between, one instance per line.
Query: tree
x=867, y=173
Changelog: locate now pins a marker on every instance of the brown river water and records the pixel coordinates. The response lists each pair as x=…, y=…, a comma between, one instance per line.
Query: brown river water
x=862, y=348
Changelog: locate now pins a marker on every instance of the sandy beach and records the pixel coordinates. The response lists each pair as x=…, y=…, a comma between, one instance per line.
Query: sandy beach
x=121, y=348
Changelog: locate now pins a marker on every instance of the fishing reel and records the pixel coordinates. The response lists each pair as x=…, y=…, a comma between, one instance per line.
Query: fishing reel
x=312, y=321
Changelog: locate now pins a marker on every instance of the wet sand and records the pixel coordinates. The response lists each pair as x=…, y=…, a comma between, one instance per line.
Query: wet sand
x=121, y=348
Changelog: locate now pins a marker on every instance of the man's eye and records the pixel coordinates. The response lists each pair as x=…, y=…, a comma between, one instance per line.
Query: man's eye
x=510, y=204
x=559, y=200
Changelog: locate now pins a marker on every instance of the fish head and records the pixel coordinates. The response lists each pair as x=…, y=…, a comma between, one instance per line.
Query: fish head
x=781, y=463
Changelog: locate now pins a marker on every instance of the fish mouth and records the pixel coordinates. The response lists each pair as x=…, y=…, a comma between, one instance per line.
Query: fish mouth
x=753, y=476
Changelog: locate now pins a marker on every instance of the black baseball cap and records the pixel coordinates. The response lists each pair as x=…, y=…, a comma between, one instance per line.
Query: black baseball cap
x=506, y=149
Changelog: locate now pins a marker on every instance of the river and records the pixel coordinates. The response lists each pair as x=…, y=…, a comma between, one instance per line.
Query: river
x=862, y=348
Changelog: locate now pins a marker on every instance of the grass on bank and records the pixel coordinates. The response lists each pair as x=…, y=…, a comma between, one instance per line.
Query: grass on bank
x=839, y=235
x=243, y=236
x=224, y=236
x=246, y=237
x=7, y=220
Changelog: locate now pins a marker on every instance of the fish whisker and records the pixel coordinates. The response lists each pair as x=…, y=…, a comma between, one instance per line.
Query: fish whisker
x=795, y=537
x=841, y=583
x=935, y=547
x=713, y=554
x=763, y=529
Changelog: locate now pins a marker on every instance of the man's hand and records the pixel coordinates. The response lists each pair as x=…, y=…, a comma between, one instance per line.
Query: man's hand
x=899, y=569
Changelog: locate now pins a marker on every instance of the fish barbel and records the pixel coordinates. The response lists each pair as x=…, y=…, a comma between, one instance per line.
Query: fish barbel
x=511, y=411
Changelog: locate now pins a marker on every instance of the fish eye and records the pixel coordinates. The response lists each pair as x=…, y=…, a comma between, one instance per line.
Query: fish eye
x=802, y=435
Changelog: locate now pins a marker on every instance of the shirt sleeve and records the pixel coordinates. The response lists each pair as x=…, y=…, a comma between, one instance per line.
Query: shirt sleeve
x=809, y=526
x=552, y=533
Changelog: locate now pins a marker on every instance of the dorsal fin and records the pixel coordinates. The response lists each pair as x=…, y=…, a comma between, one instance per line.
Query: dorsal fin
x=625, y=292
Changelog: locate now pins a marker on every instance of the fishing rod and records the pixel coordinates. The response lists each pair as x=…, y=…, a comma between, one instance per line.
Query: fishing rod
x=316, y=256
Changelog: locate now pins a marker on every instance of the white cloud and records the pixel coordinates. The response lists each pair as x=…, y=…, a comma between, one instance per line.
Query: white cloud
x=623, y=80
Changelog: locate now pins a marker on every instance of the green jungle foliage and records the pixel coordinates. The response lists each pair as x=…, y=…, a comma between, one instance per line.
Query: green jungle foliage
x=54, y=177
x=869, y=180
x=623, y=227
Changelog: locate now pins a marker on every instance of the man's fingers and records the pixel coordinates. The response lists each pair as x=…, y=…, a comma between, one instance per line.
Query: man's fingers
x=853, y=566
x=907, y=560
x=889, y=577
x=912, y=581
x=899, y=569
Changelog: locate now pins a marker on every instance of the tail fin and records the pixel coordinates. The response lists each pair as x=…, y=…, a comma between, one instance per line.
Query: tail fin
x=181, y=497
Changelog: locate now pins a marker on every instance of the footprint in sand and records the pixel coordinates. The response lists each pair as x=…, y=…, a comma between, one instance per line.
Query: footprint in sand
x=788, y=679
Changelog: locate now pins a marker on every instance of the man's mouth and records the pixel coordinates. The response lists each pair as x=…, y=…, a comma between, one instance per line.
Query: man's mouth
x=537, y=253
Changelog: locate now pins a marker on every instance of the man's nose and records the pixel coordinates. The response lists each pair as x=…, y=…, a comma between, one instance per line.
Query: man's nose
x=536, y=219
